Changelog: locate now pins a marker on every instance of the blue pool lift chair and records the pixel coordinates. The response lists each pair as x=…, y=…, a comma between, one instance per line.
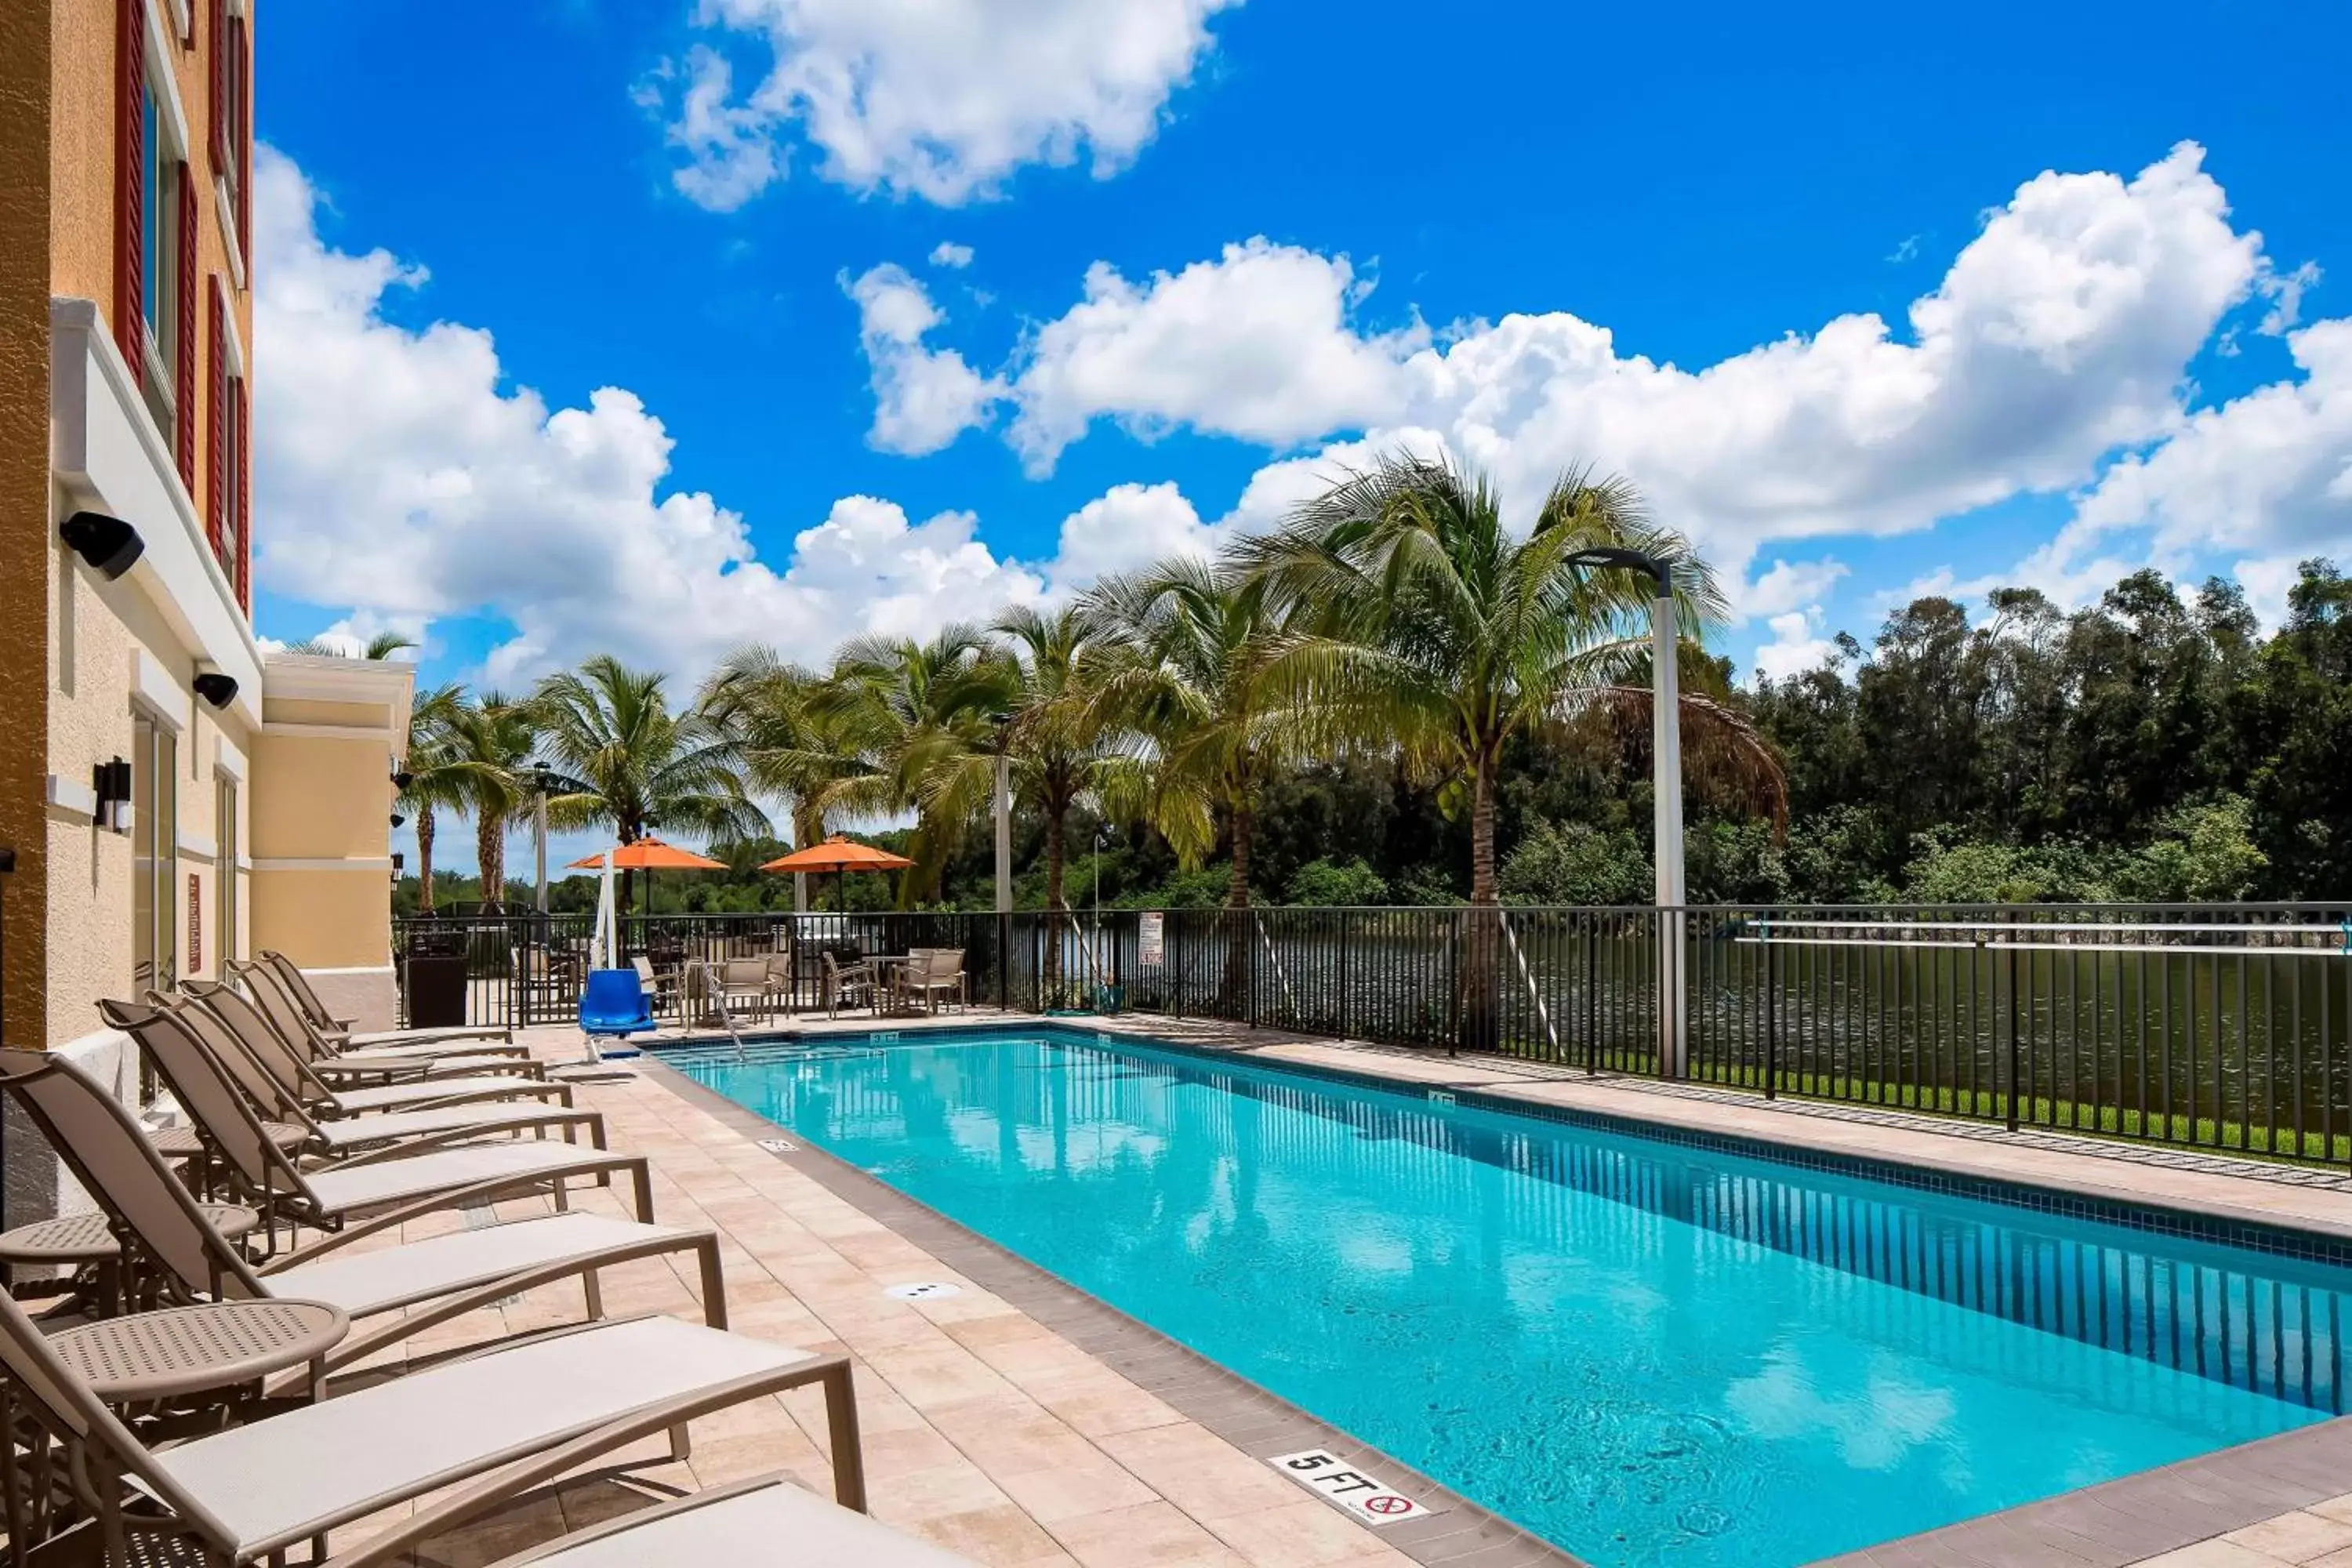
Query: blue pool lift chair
x=613, y=1005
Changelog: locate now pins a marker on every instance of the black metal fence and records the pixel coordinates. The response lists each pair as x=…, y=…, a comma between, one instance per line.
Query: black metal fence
x=2225, y=1027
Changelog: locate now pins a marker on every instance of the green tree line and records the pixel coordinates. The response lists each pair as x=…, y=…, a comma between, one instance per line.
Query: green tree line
x=1395, y=699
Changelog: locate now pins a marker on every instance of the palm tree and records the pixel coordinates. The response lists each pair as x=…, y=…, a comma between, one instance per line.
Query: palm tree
x=438, y=775
x=1057, y=728
x=782, y=734
x=382, y=646
x=1199, y=649
x=923, y=720
x=488, y=741
x=1423, y=625
x=633, y=765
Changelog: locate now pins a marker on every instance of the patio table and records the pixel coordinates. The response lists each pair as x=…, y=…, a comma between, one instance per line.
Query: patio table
x=182, y=1351
x=86, y=1240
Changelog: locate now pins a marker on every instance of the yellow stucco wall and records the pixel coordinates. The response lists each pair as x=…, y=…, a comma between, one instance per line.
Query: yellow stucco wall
x=325, y=920
x=319, y=798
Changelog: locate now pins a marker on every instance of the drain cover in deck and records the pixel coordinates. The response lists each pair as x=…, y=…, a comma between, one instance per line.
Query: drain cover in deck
x=935, y=1291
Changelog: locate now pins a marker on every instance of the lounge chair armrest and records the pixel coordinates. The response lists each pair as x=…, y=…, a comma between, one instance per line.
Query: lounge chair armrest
x=524, y=1088
x=519, y=1477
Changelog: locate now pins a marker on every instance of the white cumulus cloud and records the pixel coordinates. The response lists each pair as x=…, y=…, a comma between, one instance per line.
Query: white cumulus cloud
x=948, y=253
x=943, y=100
x=399, y=482
x=923, y=397
x=2060, y=333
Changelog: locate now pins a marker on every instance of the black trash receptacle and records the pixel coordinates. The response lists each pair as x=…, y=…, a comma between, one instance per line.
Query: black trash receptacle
x=435, y=988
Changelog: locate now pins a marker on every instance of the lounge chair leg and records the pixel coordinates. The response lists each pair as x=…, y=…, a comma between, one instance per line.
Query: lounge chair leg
x=595, y=1293
x=841, y=1431
x=681, y=1446
x=714, y=1287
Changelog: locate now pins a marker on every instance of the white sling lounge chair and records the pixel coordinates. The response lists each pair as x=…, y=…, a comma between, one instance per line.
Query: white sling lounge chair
x=262, y=1174
x=240, y=1496
x=174, y=1255
x=262, y=991
x=278, y=1099
x=339, y=1030
x=327, y=1100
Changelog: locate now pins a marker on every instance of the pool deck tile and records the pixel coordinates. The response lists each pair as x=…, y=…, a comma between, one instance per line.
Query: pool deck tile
x=1025, y=1424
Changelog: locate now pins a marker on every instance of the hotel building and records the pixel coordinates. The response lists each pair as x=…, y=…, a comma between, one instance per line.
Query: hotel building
x=173, y=795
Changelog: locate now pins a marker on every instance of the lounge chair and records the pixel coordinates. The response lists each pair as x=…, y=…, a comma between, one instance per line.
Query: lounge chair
x=517, y=1415
x=845, y=985
x=742, y=1521
x=176, y=1255
x=304, y=1081
x=278, y=1099
x=339, y=1030
x=268, y=997
x=261, y=1174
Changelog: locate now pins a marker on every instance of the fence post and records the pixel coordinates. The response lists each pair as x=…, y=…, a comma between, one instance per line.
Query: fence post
x=1772, y=1016
x=1003, y=961
x=2012, y=1037
x=1591, y=994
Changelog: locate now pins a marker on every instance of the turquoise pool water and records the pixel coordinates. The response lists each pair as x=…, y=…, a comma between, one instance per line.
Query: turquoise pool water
x=1642, y=1351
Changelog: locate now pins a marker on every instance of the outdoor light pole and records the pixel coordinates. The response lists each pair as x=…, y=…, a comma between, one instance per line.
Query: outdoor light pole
x=1667, y=789
x=541, y=780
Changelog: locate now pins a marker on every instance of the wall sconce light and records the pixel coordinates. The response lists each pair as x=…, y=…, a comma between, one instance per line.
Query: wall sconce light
x=398, y=820
x=402, y=780
x=214, y=686
x=109, y=544
x=111, y=782
x=399, y=862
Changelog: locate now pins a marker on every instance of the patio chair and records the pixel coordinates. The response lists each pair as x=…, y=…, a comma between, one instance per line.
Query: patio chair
x=844, y=986
x=270, y=997
x=744, y=980
x=933, y=973
x=177, y=1257
x=296, y=984
x=301, y=1079
x=508, y=1420
x=660, y=990
x=260, y=1173
x=613, y=1006
x=781, y=987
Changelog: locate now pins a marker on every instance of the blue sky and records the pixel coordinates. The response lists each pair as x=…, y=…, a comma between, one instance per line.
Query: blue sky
x=569, y=340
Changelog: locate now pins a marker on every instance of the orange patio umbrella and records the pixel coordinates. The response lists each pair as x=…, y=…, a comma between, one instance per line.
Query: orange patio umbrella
x=650, y=854
x=840, y=855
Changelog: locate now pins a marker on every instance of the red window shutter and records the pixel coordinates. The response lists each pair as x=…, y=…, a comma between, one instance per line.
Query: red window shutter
x=244, y=495
x=129, y=158
x=183, y=378
x=217, y=41
x=216, y=401
x=241, y=65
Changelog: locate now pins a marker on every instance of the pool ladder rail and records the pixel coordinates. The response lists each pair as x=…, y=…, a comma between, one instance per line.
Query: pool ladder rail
x=716, y=994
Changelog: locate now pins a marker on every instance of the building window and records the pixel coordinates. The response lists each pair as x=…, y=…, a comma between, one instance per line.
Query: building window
x=154, y=855
x=165, y=222
x=224, y=874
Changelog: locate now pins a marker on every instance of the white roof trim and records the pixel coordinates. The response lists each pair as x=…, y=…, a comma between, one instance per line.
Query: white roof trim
x=155, y=689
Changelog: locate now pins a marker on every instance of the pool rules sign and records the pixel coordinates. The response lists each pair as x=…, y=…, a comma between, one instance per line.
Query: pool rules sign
x=1369, y=1498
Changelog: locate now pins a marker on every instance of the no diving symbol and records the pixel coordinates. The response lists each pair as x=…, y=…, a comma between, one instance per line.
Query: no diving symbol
x=1388, y=1503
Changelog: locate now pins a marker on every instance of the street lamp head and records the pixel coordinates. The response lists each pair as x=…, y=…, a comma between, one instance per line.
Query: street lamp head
x=1608, y=557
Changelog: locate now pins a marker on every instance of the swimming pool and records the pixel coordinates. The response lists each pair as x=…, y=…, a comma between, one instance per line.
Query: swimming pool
x=1642, y=1350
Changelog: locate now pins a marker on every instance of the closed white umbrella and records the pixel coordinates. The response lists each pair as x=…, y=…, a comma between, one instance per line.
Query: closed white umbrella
x=605, y=945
